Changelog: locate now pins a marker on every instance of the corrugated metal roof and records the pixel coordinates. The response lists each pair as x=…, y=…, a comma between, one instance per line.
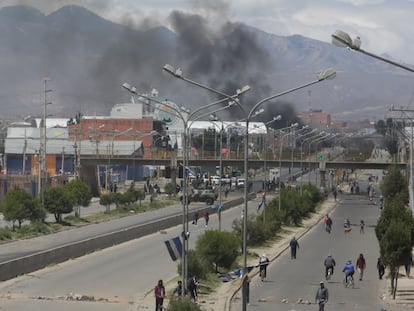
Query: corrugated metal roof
x=108, y=147
x=53, y=146
x=57, y=145
x=35, y=133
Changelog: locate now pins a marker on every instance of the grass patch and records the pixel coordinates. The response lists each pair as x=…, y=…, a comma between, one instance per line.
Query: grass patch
x=210, y=284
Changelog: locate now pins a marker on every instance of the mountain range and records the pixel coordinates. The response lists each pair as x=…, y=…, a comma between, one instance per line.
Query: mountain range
x=87, y=58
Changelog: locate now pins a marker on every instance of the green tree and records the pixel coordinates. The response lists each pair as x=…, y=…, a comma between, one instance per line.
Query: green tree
x=128, y=197
x=140, y=195
x=395, y=247
x=291, y=205
x=394, y=183
x=394, y=210
x=196, y=266
x=118, y=199
x=58, y=201
x=218, y=248
x=106, y=200
x=395, y=227
x=169, y=189
x=80, y=194
x=18, y=205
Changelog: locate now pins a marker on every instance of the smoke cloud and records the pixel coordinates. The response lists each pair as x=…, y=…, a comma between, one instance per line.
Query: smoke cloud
x=88, y=58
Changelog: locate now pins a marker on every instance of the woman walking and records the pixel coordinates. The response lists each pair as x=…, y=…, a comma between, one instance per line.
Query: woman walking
x=361, y=265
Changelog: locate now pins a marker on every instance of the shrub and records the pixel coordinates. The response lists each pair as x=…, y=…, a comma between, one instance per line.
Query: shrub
x=195, y=265
x=169, y=189
x=218, y=249
x=5, y=234
x=183, y=305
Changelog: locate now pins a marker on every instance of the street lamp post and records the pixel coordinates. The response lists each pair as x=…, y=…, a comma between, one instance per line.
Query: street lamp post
x=328, y=74
x=186, y=116
x=221, y=172
x=274, y=119
x=294, y=146
x=318, y=141
x=315, y=140
x=301, y=157
x=280, y=160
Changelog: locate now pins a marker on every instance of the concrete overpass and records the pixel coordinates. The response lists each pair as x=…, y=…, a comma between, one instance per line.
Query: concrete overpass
x=253, y=163
x=89, y=164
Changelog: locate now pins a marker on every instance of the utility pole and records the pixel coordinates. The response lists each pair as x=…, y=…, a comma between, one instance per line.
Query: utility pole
x=42, y=150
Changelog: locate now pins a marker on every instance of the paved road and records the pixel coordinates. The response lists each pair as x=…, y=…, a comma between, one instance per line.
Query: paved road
x=119, y=276
x=299, y=279
x=21, y=248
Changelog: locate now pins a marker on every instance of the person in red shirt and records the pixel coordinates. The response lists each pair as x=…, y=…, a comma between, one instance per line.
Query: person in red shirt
x=361, y=265
x=159, y=292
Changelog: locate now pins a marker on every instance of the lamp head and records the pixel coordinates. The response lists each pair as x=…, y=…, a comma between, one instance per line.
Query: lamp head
x=277, y=118
x=341, y=39
x=243, y=90
x=233, y=102
x=186, y=110
x=327, y=74
x=259, y=111
x=356, y=43
x=178, y=73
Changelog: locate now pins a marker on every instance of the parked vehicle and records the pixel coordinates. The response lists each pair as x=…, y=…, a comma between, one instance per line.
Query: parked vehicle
x=225, y=180
x=202, y=195
x=240, y=183
x=215, y=180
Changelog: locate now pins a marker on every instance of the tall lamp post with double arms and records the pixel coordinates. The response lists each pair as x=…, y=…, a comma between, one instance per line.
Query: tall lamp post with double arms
x=186, y=116
x=177, y=73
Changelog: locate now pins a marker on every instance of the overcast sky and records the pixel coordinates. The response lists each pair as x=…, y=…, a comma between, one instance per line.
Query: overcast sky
x=384, y=26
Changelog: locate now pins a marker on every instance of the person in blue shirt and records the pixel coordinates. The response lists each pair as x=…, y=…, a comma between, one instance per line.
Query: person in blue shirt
x=349, y=270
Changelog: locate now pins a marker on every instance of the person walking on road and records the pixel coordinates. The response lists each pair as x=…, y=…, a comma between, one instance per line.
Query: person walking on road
x=381, y=268
x=322, y=296
x=195, y=220
x=294, y=245
x=361, y=265
x=262, y=202
x=362, y=227
x=206, y=218
x=159, y=292
x=328, y=223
